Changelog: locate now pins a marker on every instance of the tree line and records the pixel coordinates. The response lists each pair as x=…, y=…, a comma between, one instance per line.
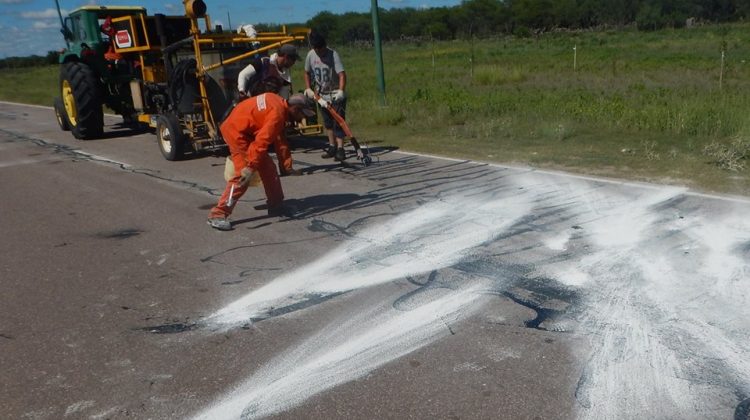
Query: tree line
x=483, y=18
x=30, y=61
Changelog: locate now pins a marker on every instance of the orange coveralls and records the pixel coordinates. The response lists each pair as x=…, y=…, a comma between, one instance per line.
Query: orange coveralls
x=283, y=154
x=250, y=129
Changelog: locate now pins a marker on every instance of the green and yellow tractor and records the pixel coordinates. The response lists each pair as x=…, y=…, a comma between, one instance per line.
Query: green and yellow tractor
x=176, y=74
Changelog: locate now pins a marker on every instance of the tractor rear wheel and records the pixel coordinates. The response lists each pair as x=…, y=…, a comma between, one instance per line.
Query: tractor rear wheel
x=172, y=141
x=62, y=119
x=82, y=100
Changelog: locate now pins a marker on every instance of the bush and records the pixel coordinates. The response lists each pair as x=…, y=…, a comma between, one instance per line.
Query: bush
x=732, y=156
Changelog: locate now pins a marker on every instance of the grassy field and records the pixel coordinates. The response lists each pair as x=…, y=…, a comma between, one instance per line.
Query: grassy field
x=30, y=85
x=656, y=106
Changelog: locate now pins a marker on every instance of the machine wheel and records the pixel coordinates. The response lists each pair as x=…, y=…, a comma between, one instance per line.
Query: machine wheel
x=62, y=119
x=172, y=141
x=81, y=98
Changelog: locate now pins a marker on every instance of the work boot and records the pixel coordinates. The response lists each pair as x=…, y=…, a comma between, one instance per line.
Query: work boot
x=220, y=223
x=292, y=172
x=340, y=155
x=330, y=152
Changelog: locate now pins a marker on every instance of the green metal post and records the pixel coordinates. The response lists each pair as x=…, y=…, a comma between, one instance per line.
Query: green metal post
x=378, y=51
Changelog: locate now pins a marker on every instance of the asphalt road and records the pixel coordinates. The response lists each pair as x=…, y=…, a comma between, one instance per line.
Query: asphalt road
x=416, y=287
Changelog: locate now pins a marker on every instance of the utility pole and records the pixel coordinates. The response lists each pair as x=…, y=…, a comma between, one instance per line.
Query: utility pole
x=378, y=51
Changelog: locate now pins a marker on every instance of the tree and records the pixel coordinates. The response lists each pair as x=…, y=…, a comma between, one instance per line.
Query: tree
x=649, y=16
x=535, y=14
x=53, y=57
x=355, y=27
x=324, y=22
x=484, y=16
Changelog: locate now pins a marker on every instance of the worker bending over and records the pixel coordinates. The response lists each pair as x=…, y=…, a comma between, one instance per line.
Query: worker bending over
x=272, y=74
x=252, y=126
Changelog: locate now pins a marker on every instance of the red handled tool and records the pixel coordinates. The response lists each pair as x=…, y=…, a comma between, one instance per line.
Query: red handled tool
x=363, y=155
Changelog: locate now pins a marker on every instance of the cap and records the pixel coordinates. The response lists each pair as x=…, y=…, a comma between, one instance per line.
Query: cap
x=305, y=104
x=289, y=50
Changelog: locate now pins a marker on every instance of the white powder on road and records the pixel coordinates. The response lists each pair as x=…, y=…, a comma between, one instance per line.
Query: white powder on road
x=663, y=295
x=341, y=353
x=431, y=237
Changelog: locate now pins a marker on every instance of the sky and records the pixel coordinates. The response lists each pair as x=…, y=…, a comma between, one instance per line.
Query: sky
x=32, y=26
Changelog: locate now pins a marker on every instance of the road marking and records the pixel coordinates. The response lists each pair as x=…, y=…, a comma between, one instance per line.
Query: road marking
x=614, y=181
x=21, y=162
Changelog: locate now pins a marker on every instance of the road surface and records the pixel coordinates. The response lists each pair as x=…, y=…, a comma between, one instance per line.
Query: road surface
x=417, y=287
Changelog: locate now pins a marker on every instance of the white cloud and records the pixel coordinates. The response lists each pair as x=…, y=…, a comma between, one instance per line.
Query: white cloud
x=45, y=25
x=43, y=14
x=17, y=42
x=14, y=1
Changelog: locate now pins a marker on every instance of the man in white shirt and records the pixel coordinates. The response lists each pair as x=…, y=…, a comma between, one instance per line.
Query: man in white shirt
x=269, y=74
x=325, y=73
x=272, y=74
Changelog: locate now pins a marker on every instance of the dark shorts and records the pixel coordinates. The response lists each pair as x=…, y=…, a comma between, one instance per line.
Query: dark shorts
x=330, y=123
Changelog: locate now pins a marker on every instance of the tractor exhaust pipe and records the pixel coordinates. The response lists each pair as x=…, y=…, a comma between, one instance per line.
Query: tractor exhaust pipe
x=63, y=28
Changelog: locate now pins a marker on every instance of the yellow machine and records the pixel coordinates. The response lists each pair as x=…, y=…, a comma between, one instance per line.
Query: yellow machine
x=178, y=74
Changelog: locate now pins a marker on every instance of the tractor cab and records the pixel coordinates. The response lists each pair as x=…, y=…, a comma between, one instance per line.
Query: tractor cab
x=87, y=30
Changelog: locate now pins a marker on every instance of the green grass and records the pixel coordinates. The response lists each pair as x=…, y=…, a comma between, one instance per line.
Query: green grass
x=35, y=85
x=648, y=106
x=637, y=105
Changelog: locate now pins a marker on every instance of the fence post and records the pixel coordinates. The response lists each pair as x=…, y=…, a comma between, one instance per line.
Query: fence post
x=471, y=57
x=721, y=72
x=433, y=55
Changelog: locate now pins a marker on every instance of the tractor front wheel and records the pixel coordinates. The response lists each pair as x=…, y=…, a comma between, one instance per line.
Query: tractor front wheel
x=82, y=100
x=172, y=141
x=62, y=119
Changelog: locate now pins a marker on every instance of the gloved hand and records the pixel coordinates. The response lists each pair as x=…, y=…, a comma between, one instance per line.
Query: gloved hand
x=248, y=177
x=338, y=95
x=310, y=94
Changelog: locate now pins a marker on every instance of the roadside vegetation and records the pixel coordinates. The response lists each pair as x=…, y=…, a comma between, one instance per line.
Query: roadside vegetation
x=30, y=85
x=661, y=106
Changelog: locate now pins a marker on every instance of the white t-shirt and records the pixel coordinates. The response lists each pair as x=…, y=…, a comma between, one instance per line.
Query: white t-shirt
x=324, y=70
x=243, y=79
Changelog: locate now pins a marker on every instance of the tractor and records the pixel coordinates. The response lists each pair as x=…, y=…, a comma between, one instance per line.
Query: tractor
x=175, y=74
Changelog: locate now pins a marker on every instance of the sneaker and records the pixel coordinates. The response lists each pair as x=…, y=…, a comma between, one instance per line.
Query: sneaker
x=330, y=152
x=340, y=155
x=220, y=223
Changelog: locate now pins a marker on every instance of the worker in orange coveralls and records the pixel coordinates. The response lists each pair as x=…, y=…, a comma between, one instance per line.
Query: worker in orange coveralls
x=252, y=126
